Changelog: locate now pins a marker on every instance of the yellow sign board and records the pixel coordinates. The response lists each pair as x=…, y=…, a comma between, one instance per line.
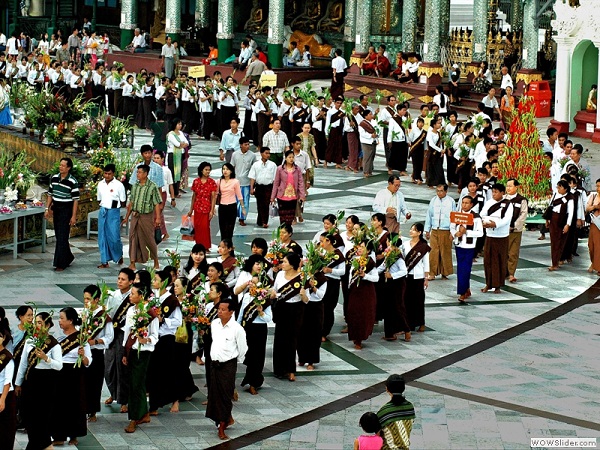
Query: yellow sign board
x=196, y=72
x=268, y=80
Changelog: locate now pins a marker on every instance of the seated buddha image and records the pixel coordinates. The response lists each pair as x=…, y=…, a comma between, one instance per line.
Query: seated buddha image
x=256, y=20
x=334, y=17
x=307, y=21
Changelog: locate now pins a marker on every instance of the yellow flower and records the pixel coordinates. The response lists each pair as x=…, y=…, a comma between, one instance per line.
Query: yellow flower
x=296, y=285
x=166, y=309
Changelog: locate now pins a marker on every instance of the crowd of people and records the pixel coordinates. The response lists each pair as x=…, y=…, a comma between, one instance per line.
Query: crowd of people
x=380, y=277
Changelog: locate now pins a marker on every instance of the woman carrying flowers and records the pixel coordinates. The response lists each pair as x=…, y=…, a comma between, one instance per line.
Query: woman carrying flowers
x=164, y=366
x=253, y=287
x=98, y=330
x=362, y=300
x=394, y=273
x=190, y=312
x=289, y=297
x=36, y=379
x=334, y=271
x=416, y=256
x=141, y=335
x=69, y=419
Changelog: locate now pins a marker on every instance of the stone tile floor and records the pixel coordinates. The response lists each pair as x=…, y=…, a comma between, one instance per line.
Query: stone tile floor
x=490, y=374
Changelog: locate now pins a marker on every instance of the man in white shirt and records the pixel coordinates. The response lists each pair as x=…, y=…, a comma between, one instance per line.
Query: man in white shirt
x=294, y=57
x=242, y=61
x=228, y=346
x=12, y=48
x=242, y=161
x=138, y=45
x=496, y=215
x=338, y=66
x=465, y=238
x=517, y=224
x=262, y=175
x=390, y=201
x=168, y=57
x=111, y=196
x=551, y=143
x=506, y=80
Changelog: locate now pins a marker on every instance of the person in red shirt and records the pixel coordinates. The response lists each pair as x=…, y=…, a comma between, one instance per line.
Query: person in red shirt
x=261, y=55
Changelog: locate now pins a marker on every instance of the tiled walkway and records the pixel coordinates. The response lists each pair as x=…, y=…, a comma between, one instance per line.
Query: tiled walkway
x=490, y=374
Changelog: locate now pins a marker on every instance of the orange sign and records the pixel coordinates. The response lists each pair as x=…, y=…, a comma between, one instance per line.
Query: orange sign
x=461, y=218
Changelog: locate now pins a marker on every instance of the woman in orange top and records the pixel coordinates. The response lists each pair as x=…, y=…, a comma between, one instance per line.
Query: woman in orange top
x=213, y=54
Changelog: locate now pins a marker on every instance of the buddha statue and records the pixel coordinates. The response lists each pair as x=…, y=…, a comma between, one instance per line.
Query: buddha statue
x=308, y=20
x=255, y=22
x=334, y=17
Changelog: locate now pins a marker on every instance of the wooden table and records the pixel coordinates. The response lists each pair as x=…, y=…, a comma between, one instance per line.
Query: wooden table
x=24, y=213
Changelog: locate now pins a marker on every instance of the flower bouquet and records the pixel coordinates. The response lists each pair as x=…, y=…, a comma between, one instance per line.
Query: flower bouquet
x=173, y=256
x=359, y=263
x=141, y=322
x=90, y=324
x=276, y=251
x=38, y=334
x=260, y=291
x=317, y=258
x=202, y=322
x=392, y=253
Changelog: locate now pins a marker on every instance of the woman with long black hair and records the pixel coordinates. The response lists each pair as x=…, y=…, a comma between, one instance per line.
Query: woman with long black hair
x=99, y=340
x=416, y=256
x=196, y=268
x=289, y=297
x=435, y=169
x=254, y=318
x=230, y=193
x=69, y=415
x=8, y=412
x=37, y=379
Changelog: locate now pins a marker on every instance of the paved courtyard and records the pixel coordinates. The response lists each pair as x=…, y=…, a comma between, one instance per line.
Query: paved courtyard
x=490, y=374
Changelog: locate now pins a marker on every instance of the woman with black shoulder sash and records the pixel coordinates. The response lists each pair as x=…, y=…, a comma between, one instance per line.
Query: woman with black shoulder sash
x=101, y=336
x=69, y=415
x=288, y=310
x=254, y=317
x=162, y=370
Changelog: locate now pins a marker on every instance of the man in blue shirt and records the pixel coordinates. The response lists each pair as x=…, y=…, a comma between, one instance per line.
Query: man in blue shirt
x=437, y=230
x=156, y=172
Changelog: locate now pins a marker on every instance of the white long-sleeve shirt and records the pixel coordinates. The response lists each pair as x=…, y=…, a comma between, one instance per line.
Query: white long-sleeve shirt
x=152, y=332
x=464, y=241
x=502, y=228
x=422, y=267
x=55, y=361
x=228, y=341
x=171, y=323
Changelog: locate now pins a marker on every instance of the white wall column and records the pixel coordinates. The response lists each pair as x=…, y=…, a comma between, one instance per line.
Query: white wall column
x=562, y=102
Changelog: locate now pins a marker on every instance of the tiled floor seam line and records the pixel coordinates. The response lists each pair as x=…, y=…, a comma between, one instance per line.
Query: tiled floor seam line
x=427, y=369
x=505, y=405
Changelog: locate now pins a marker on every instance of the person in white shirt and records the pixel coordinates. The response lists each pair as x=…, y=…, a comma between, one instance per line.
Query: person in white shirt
x=339, y=66
x=115, y=372
x=465, y=238
x=100, y=339
x=442, y=100
x=262, y=175
x=242, y=61
x=138, y=350
x=138, y=44
x=164, y=364
x=12, y=48
x=496, y=215
x=517, y=223
x=228, y=346
x=111, y=196
x=242, y=161
x=167, y=191
x=7, y=393
x=506, y=80
x=491, y=104
x=295, y=55
x=306, y=57
x=168, y=57
x=390, y=201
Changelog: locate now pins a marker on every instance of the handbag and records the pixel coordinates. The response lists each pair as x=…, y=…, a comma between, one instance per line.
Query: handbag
x=218, y=193
x=273, y=210
x=181, y=334
x=187, y=226
x=548, y=213
x=157, y=235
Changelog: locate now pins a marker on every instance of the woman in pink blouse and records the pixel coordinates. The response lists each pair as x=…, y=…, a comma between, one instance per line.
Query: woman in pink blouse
x=230, y=192
x=204, y=198
x=288, y=188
